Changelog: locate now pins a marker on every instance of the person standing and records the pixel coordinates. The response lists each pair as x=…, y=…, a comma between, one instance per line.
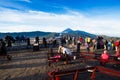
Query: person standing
x=37, y=39
x=117, y=45
x=88, y=47
x=44, y=42
x=106, y=44
x=3, y=50
x=78, y=46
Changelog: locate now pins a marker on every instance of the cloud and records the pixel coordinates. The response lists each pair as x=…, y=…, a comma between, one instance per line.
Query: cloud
x=19, y=21
x=8, y=4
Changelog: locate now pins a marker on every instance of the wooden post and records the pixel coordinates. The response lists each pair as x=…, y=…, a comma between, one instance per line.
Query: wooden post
x=93, y=75
x=76, y=75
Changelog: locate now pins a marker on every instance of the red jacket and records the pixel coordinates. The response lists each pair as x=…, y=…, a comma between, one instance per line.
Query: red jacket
x=104, y=57
x=117, y=43
x=81, y=39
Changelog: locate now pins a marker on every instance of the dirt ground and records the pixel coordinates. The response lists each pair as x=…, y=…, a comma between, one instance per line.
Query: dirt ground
x=29, y=65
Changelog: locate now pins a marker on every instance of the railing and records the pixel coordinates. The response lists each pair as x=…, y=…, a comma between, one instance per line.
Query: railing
x=105, y=71
x=75, y=73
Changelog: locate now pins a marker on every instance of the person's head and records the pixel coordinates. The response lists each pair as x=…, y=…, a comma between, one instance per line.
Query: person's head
x=105, y=51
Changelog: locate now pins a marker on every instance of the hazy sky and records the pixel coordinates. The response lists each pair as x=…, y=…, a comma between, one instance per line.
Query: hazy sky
x=94, y=16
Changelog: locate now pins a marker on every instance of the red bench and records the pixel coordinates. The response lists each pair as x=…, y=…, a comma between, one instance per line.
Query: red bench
x=105, y=71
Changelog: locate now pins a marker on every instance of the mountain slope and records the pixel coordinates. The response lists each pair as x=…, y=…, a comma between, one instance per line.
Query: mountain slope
x=67, y=31
x=28, y=34
x=78, y=33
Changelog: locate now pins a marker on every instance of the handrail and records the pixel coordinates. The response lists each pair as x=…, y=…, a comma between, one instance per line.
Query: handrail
x=70, y=72
x=106, y=71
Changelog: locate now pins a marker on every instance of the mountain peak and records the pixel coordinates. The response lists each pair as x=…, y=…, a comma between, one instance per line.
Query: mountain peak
x=67, y=30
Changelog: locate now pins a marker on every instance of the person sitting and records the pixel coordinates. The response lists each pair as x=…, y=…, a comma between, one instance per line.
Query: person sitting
x=104, y=58
x=64, y=50
x=66, y=53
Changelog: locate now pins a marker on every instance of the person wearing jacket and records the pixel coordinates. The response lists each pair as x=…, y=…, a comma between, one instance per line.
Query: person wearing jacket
x=104, y=58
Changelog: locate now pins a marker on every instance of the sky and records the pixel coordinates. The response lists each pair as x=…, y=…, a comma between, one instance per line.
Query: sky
x=94, y=16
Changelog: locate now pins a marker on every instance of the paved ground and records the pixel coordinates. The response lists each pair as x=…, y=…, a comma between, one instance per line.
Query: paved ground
x=25, y=65
x=29, y=65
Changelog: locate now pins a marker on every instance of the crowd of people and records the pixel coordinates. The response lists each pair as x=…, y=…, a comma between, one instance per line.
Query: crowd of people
x=98, y=43
x=65, y=41
x=64, y=44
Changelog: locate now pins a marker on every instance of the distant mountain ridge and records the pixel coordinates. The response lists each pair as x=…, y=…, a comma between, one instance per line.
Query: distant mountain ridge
x=32, y=34
x=27, y=34
x=78, y=33
x=68, y=30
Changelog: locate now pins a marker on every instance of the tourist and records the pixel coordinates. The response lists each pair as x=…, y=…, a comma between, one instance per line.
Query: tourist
x=3, y=50
x=109, y=45
x=37, y=39
x=106, y=44
x=44, y=42
x=64, y=50
x=117, y=45
x=104, y=58
x=78, y=46
x=88, y=47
